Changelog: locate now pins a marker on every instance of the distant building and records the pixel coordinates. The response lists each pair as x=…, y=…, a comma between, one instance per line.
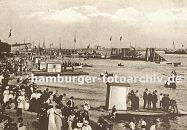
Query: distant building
x=4, y=47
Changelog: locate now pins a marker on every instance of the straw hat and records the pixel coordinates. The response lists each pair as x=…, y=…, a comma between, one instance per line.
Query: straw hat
x=7, y=87
x=79, y=125
x=85, y=102
x=85, y=122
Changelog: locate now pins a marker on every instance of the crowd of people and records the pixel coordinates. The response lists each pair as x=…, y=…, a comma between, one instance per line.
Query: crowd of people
x=54, y=111
x=141, y=124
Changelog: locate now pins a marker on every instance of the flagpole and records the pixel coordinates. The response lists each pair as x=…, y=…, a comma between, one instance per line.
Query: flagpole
x=111, y=41
x=74, y=45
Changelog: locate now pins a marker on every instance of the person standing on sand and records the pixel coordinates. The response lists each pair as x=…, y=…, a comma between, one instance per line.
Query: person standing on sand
x=42, y=115
x=58, y=118
x=70, y=121
x=143, y=124
x=21, y=101
x=51, y=116
x=132, y=125
x=86, y=126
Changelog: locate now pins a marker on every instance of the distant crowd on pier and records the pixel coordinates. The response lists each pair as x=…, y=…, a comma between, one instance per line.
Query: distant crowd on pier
x=152, y=101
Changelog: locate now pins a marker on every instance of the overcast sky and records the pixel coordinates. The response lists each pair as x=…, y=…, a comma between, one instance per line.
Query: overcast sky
x=144, y=23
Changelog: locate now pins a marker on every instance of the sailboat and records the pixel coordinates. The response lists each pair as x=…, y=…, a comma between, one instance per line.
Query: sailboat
x=176, y=51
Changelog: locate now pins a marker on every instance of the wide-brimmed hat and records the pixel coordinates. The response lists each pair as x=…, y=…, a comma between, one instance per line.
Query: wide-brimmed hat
x=7, y=87
x=85, y=122
x=85, y=102
x=79, y=125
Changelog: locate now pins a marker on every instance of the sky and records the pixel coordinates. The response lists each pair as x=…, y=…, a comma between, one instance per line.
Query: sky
x=143, y=23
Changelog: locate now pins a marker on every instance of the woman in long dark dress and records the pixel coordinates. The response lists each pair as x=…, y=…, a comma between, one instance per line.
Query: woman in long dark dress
x=43, y=118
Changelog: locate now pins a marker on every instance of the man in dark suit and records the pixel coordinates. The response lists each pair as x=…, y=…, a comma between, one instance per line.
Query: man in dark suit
x=145, y=98
x=71, y=103
x=154, y=100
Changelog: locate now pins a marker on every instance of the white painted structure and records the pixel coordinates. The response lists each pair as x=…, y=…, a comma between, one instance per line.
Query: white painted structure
x=117, y=95
x=54, y=67
x=43, y=66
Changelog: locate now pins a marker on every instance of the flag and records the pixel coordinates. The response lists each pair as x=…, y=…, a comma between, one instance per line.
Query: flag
x=88, y=46
x=120, y=38
x=110, y=38
x=10, y=33
x=75, y=40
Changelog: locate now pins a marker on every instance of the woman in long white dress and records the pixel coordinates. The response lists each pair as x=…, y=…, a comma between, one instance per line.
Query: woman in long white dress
x=58, y=119
x=55, y=116
x=51, y=114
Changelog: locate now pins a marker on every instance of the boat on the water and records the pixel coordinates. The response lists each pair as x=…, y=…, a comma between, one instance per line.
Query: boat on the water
x=180, y=51
x=78, y=67
x=145, y=112
x=176, y=64
x=87, y=65
x=176, y=51
x=71, y=73
x=106, y=74
x=171, y=85
x=120, y=64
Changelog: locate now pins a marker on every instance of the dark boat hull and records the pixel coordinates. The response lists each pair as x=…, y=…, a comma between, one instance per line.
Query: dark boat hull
x=172, y=85
x=175, y=52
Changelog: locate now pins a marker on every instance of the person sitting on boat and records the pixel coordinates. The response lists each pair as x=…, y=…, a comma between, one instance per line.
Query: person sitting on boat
x=173, y=105
x=174, y=72
x=113, y=114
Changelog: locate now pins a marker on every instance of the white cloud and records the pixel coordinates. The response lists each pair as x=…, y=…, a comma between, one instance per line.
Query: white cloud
x=121, y=15
x=126, y=14
x=168, y=16
x=66, y=16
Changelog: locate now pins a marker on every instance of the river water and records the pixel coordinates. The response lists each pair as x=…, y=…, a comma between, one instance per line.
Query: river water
x=95, y=93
